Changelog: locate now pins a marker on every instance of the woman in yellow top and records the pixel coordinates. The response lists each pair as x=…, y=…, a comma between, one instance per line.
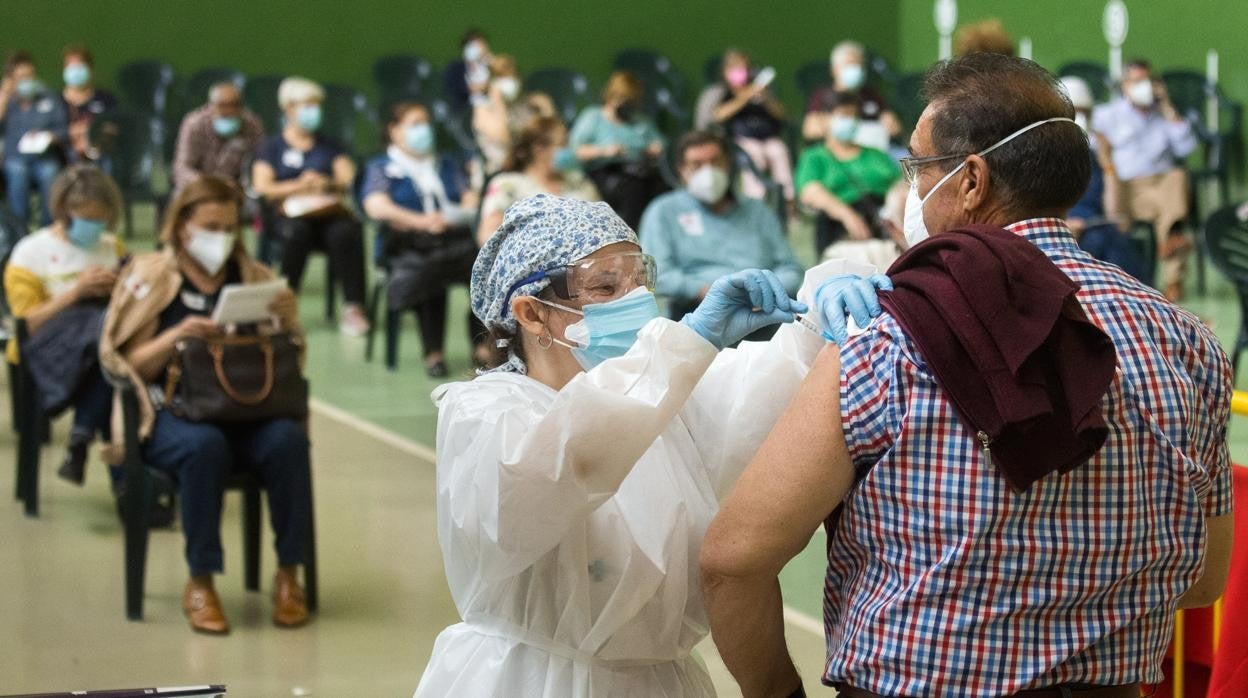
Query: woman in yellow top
x=72, y=262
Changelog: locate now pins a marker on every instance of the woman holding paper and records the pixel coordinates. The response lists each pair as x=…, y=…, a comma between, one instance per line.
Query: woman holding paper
x=304, y=175
x=168, y=295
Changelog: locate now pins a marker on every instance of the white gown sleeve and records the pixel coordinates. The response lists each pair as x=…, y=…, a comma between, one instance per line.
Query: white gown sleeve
x=513, y=479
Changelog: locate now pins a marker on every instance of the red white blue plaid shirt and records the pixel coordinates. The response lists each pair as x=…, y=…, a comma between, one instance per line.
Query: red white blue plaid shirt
x=943, y=581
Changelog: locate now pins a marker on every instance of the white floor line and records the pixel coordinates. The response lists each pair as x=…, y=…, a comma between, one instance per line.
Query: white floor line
x=792, y=616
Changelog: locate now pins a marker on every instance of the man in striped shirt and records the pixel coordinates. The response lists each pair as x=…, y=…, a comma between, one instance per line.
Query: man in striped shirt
x=943, y=580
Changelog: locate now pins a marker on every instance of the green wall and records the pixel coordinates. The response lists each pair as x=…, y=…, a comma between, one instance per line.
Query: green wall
x=1171, y=33
x=337, y=40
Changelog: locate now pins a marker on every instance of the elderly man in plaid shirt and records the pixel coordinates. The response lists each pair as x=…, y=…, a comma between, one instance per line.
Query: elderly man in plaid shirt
x=946, y=577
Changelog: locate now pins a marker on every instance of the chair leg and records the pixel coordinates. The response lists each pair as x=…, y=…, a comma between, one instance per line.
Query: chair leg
x=134, y=511
x=15, y=414
x=29, y=442
x=373, y=302
x=394, y=325
x=330, y=309
x=252, y=505
x=310, y=578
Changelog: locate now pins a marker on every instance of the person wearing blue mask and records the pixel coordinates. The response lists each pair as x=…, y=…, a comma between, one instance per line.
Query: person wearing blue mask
x=216, y=139
x=83, y=103
x=848, y=66
x=575, y=477
x=58, y=280
x=303, y=177
x=35, y=132
x=423, y=206
x=540, y=161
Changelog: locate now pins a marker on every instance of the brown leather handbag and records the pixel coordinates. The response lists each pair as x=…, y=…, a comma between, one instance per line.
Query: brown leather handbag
x=235, y=378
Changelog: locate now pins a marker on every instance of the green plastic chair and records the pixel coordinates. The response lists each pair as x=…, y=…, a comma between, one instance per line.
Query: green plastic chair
x=1095, y=74
x=567, y=88
x=130, y=139
x=1226, y=241
x=144, y=85
x=402, y=74
x=260, y=96
x=345, y=110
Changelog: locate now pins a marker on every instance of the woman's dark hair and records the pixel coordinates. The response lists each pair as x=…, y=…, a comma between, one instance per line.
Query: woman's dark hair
x=537, y=133
x=16, y=58
x=471, y=35
x=501, y=355
x=81, y=51
x=835, y=100
x=397, y=112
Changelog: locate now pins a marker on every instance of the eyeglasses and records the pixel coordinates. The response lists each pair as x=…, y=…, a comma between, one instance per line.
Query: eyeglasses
x=910, y=166
x=596, y=279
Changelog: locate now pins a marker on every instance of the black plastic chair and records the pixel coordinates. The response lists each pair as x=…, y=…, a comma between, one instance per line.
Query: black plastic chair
x=196, y=88
x=402, y=74
x=144, y=85
x=908, y=101
x=567, y=88
x=33, y=428
x=654, y=70
x=132, y=141
x=135, y=503
x=260, y=96
x=12, y=229
x=1226, y=236
x=812, y=77
x=345, y=108
x=1094, y=74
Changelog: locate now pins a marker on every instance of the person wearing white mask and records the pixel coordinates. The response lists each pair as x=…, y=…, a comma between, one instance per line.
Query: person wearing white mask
x=848, y=65
x=304, y=176
x=501, y=112
x=466, y=79
x=1150, y=139
x=705, y=230
x=170, y=294
x=423, y=207
x=575, y=478
x=844, y=182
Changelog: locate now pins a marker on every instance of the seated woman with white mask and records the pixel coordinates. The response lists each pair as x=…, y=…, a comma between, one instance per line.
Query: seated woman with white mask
x=169, y=295
x=575, y=479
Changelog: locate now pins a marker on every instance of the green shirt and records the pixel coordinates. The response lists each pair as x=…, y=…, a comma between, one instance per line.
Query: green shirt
x=871, y=172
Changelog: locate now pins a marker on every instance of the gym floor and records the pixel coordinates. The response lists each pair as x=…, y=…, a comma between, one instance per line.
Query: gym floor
x=383, y=593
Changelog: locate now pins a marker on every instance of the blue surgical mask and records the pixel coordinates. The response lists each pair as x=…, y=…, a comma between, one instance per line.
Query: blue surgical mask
x=84, y=232
x=226, y=126
x=77, y=74
x=843, y=128
x=609, y=329
x=29, y=88
x=565, y=160
x=419, y=138
x=308, y=117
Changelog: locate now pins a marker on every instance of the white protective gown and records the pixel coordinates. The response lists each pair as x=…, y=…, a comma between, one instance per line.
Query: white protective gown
x=571, y=521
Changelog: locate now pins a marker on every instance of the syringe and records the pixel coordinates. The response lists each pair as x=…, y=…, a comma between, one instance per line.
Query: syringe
x=801, y=320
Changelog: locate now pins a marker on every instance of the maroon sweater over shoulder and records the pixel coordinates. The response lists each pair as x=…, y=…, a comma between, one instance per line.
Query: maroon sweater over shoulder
x=1002, y=331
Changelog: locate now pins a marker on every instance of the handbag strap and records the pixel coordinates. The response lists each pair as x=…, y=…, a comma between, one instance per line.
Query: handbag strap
x=218, y=362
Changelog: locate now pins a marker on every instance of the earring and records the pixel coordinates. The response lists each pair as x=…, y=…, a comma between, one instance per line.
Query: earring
x=549, y=341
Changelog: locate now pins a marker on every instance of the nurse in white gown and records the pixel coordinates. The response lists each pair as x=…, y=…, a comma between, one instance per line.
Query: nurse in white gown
x=575, y=481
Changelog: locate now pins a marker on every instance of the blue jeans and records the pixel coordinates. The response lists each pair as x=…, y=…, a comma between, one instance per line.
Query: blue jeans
x=19, y=172
x=199, y=456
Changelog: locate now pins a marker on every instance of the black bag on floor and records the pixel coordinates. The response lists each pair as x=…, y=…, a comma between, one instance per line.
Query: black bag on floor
x=423, y=270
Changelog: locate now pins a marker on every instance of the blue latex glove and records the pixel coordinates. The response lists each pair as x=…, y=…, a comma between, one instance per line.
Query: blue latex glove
x=741, y=303
x=848, y=294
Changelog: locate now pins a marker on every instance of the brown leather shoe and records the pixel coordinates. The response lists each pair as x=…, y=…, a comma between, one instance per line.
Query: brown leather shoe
x=203, y=608
x=289, y=608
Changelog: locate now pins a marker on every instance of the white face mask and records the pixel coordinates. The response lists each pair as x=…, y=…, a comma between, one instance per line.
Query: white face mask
x=210, y=249
x=1141, y=93
x=508, y=87
x=913, y=224
x=708, y=184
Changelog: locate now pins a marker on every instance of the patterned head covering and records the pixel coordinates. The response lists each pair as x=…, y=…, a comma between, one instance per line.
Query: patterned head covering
x=539, y=233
